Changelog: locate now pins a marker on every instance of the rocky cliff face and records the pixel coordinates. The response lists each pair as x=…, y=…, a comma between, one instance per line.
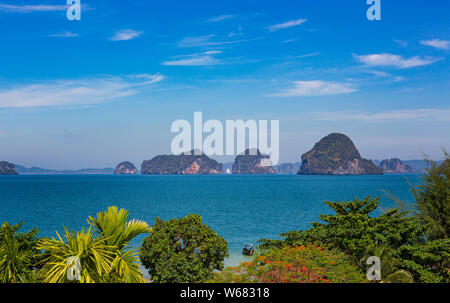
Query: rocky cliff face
x=396, y=166
x=336, y=154
x=252, y=163
x=7, y=168
x=125, y=168
x=186, y=164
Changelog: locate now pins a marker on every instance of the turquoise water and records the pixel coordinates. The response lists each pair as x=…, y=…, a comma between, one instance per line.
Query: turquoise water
x=242, y=208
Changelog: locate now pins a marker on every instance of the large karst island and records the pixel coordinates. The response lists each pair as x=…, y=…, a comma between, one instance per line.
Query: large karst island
x=336, y=154
x=184, y=164
x=7, y=168
x=125, y=168
x=252, y=163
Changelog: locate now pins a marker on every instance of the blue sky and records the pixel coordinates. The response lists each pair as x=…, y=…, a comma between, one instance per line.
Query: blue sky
x=95, y=92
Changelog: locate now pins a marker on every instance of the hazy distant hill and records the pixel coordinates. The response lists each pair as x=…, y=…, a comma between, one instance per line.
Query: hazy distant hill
x=42, y=171
x=287, y=168
x=418, y=165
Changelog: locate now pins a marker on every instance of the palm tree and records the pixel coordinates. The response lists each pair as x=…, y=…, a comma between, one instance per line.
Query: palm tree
x=389, y=264
x=113, y=227
x=13, y=261
x=59, y=256
x=102, y=252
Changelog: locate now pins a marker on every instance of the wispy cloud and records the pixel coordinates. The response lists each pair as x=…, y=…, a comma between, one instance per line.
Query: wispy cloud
x=75, y=93
x=306, y=55
x=31, y=8
x=221, y=18
x=436, y=43
x=65, y=35
x=391, y=60
x=424, y=114
x=206, y=40
x=201, y=59
x=287, y=24
x=316, y=88
x=126, y=34
x=401, y=43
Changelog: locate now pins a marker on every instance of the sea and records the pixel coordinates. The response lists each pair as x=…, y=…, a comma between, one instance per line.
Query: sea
x=241, y=208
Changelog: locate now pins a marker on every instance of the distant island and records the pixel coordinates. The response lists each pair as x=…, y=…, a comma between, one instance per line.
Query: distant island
x=396, y=166
x=252, y=163
x=125, y=168
x=7, y=168
x=287, y=168
x=185, y=164
x=42, y=171
x=336, y=154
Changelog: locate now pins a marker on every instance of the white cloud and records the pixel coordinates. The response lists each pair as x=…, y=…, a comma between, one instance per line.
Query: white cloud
x=442, y=115
x=32, y=8
x=385, y=59
x=79, y=92
x=289, y=40
x=401, y=43
x=203, y=59
x=126, y=34
x=306, y=55
x=287, y=24
x=206, y=41
x=316, y=88
x=221, y=18
x=436, y=43
x=65, y=35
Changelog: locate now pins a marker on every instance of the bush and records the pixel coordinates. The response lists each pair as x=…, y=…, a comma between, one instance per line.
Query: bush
x=182, y=250
x=352, y=229
x=299, y=264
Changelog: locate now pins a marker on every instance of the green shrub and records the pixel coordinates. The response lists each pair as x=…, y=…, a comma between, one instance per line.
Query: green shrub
x=182, y=250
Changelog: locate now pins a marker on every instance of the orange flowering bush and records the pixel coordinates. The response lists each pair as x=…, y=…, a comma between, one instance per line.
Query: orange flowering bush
x=299, y=264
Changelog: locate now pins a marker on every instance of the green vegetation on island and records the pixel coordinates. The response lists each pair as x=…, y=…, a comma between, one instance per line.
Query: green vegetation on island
x=252, y=162
x=185, y=164
x=336, y=154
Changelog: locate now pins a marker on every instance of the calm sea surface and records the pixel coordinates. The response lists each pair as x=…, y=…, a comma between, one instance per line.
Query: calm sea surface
x=242, y=208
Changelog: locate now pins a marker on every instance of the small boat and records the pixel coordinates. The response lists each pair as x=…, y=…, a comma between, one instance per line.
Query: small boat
x=248, y=250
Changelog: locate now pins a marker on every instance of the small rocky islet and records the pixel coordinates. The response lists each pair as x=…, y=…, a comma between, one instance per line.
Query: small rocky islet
x=7, y=168
x=125, y=168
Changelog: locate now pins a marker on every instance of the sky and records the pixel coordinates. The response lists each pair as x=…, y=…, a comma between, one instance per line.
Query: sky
x=105, y=89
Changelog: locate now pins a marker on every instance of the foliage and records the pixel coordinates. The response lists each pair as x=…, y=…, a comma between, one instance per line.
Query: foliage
x=433, y=199
x=95, y=257
x=298, y=264
x=429, y=262
x=17, y=254
x=389, y=264
x=102, y=250
x=182, y=250
x=113, y=227
x=352, y=229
